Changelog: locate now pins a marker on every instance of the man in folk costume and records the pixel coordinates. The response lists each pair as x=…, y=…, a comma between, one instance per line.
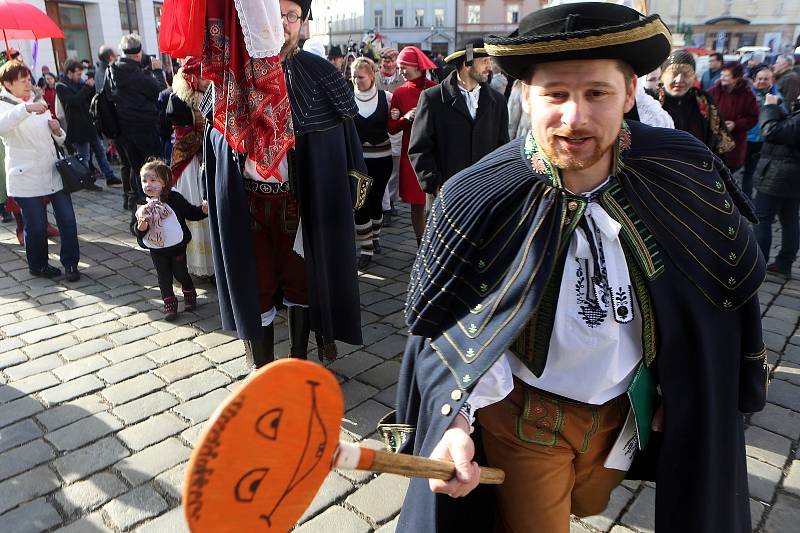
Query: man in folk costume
x=413, y=64
x=569, y=296
x=458, y=121
x=283, y=165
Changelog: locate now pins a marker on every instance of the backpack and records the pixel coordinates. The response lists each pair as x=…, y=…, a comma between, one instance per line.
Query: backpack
x=104, y=112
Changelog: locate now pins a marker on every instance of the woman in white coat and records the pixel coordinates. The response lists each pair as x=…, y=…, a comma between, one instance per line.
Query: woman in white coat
x=28, y=133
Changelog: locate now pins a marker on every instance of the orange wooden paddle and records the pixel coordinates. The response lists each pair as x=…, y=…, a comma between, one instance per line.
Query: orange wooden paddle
x=267, y=449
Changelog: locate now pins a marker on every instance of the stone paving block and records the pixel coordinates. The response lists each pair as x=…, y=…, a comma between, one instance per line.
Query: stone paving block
x=135, y=507
x=791, y=482
x=90, y=459
x=354, y=364
x=175, y=352
x=767, y=446
x=136, y=320
x=784, y=517
x=756, y=512
x=83, y=431
x=50, y=346
x=18, y=433
x=80, y=312
x=80, y=367
x=100, y=330
x=23, y=326
x=210, y=340
x=148, y=463
x=182, y=368
x=762, y=479
x=172, y=336
x=126, y=369
x=788, y=371
x=172, y=521
x=32, y=484
x=784, y=394
x=27, y=386
x=387, y=396
x=335, y=520
x=47, y=333
x=42, y=310
x=131, y=389
x=382, y=376
x=620, y=497
x=71, y=389
x=152, y=430
x=24, y=458
x=171, y=481
x=389, y=347
x=130, y=350
x=356, y=392
x=778, y=420
x=193, y=433
x=94, y=319
x=80, y=301
x=145, y=407
x=236, y=368
x=35, y=366
x=363, y=419
x=381, y=498
x=641, y=514
x=31, y=517
x=200, y=409
x=19, y=409
x=198, y=384
x=123, y=290
x=86, y=348
x=10, y=343
x=19, y=305
x=225, y=352
x=92, y=523
x=133, y=334
x=12, y=358
x=333, y=489
x=389, y=527
x=70, y=412
x=84, y=496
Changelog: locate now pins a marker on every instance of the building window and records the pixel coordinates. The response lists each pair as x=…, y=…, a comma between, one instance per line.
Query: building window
x=419, y=17
x=71, y=18
x=398, y=18
x=379, y=18
x=438, y=17
x=473, y=14
x=512, y=14
x=128, y=17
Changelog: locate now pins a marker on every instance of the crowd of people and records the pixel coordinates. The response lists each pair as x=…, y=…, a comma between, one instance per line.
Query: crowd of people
x=574, y=207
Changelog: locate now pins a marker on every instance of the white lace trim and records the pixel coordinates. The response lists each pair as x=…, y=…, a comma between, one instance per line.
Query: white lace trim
x=268, y=40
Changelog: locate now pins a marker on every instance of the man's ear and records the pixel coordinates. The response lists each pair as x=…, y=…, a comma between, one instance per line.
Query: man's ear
x=525, y=91
x=630, y=94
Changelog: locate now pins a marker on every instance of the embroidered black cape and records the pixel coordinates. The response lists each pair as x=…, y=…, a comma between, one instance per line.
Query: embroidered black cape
x=329, y=178
x=483, y=270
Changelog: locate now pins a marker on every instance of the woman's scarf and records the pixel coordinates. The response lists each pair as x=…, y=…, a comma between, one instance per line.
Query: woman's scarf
x=251, y=105
x=188, y=139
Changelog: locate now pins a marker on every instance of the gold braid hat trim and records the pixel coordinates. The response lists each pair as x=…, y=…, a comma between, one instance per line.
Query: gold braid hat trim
x=456, y=55
x=651, y=29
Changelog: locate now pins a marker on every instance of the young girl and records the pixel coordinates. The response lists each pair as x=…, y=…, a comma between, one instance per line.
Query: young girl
x=161, y=228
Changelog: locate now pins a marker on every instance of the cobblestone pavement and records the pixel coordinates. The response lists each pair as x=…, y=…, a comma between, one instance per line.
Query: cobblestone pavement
x=101, y=400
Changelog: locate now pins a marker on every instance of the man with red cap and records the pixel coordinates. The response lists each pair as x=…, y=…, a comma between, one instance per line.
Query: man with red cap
x=413, y=63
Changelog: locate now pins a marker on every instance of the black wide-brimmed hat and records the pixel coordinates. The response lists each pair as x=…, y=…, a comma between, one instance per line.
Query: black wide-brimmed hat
x=586, y=30
x=472, y=48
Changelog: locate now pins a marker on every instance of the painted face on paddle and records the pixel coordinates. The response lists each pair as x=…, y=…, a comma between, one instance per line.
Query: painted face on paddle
x=152, y=185
x=576, y=110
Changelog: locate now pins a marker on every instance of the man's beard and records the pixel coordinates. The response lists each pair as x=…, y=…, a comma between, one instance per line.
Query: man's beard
x=290, y=41
x=477, y=76
x=564, y=160
x=388, y=74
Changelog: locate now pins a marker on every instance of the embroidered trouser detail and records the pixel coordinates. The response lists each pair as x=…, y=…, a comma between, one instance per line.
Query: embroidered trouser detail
x=563, y=473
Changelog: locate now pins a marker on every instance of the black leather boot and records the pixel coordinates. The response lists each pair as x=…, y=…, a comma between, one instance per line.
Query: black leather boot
x=261, y=351
x=299, y=329
x=326, y=349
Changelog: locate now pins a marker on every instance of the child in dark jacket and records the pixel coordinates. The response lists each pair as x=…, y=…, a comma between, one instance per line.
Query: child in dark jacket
x=161, y=228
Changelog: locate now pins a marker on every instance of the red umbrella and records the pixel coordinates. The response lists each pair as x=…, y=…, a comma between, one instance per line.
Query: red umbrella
x=24, y=21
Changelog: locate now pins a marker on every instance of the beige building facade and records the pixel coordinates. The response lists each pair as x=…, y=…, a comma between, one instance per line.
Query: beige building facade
x=477, y=18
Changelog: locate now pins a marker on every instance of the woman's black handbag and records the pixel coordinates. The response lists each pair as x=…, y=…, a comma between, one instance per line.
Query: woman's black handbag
x=74, y=171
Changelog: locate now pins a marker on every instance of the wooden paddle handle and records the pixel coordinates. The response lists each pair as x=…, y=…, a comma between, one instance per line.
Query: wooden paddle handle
x=354, y=457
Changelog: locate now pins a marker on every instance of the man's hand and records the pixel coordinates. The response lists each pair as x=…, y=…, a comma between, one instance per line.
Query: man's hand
x=141, y=224
x=457, y=447
x=773, y=99
x=36, y=107
x=204, y=207
x=90, y=82
x=410, y=115
x=730, y=125
x=395, y=113
x=155, y=63
x=55, y=125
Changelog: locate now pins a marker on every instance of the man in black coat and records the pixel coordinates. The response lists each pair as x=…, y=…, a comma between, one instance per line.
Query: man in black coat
x=459, y=121
x=134, y=92
x=75, y=96
x=778, y=193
